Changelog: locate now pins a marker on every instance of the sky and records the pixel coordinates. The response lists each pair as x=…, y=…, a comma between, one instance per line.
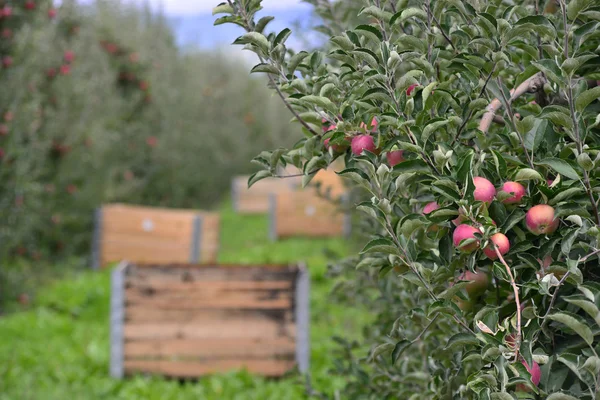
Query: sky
x=190, y=7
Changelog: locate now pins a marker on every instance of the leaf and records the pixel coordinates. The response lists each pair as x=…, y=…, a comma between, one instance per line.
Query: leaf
x=262, y=24
x=560, y=166
x=263, y=67
x=320, y=101
x=282, y=37
x=413, y=12
x=535, y=136
x=579, y=327
x=586, y=305
x=550, y=68
x=501, y=396
x=416, y=165
x=258, y=176
x=429, y=129
x=370, y=30
x=577, y=6
x=222, y=8
x=585, y=98
x=399, y=349
x=382, y=348
x=527, y=174
x=357, y=175
x=255, y=38
x=461, y=339
x=295, y=60
x=380, y=245
x=560, y=396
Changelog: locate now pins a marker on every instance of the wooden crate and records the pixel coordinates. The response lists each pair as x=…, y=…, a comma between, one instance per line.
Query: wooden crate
x=154, y=235
x=186, y=321
x=329, y=183
x=306, y=213
x=255, y=200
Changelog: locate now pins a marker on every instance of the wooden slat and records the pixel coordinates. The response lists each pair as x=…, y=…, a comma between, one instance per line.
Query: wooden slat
x=142, y=313
x=306, y=214
x=143, y=253
x=137, y=296
x=211, y=348
x=189, y=369
x=158, y=286
x=178, y=273
x=224, y=329
x=256, y=199
x=225, y=303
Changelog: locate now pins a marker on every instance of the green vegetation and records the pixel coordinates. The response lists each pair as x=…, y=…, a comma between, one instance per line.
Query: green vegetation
x=59, y=348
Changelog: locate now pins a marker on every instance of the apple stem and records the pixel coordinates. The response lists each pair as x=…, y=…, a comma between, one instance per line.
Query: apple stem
x=517, y=300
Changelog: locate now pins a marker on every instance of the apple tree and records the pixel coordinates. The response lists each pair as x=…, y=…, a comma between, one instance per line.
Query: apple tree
x=472, y=127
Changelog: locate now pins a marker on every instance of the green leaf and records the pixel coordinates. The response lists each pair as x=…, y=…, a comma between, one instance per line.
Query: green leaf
x=255, y=38
x=501, y=396
x=413, y=12
x=575, y=324
x=258, y=176
x=590, y=308
x=262, y=24
x=295, y=60
x=282, y=37
x=560, y=396
x=559, y=119
x=370, y=31
x=380, y=245
x=560, y=166
x=528, y=174
x=431, y=128
x=550, y=68
x=577, y=6
x=536, y=135
x=222, y=8
x=461, y=339
x=449, y=293
x=320, y=101
x=399, y=349
x=416, y=165
x=585, y=98
x=264, y=67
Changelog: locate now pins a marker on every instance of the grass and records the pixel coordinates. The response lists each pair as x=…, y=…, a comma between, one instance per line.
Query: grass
x=59, y=349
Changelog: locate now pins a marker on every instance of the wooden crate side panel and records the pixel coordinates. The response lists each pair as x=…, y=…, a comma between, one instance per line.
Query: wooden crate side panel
x=191, y=369
x=188, y=327
x=256, y=199
x=210, y=238
x=330, y=183
x=306, y=214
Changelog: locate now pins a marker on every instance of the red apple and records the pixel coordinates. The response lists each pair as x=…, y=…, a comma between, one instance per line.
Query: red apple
x=464, y=232
x=69, y=56
x=134, y=57
x=143, y=86
x=361, y=143
x=478, y=282
x=516, y=190
x=30, y=5
x=7, y=61
x=52, y=13
x=500, y=240
x=3, y=129
x=71, y=189
x=484, y=190
x=430, y=207
x=6, y=11
x=337, y=148
x=411, y=88
x=536, y=375
x=395, y=157
x=540, y=219
x=6, y=33
x=51, y=73
x=65, y=69
x=152, y=141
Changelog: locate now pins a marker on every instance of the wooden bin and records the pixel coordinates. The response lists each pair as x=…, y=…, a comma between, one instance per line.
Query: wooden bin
x=307, y=214
x=154, y=235
x=186, y=321
x=255, y=200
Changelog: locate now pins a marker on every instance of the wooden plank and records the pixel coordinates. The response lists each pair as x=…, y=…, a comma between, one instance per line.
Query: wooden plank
x=307, y=214
x=214, y=303
x=182, y=273
x=143, y=313
x=244, y=348
x=256, y=199
x=329, y=183
x=190, y=369
x=143, y=252
x=237, y=329
x=200, y=297
x=117, y=315
x=159, y=286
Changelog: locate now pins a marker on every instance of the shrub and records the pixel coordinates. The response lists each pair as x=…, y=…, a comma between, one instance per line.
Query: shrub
x=476, y=95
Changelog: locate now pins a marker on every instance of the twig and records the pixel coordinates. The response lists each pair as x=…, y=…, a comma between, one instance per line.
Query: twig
x=533, y=84
x=553, y=300
x=517, y=300
x=428, y=7
x=437, y=23
x=584, y=259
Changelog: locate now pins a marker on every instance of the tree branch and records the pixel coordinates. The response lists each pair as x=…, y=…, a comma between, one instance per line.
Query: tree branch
x=531, y=85
x=517, y=300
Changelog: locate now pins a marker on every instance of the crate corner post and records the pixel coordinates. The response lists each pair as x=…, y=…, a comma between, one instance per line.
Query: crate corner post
x=97, y=239
x=302, y=311
x=117, y=319
x=273, y=217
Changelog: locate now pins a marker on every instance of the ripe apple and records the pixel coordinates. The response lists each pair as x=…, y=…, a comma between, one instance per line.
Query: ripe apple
x=484, y=190
x=51, y=73
x=69, y=56
x=361, y=143
x=144, y=86
x=500, y=240
x=536, y=375
x=515, y=189
x=430, y=207
x=52, y=13
x=337, y=148
x=7, y=61
x=65, y=69
x=464, y=232
x=3, y=129
x=540, y=219
x=152, y=141
x=395, y=157
x=478, y=282
x=411, y=88
x=6, y=11
x=30, y=5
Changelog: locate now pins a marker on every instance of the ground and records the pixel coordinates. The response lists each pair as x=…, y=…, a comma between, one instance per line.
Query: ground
x=58, y=348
